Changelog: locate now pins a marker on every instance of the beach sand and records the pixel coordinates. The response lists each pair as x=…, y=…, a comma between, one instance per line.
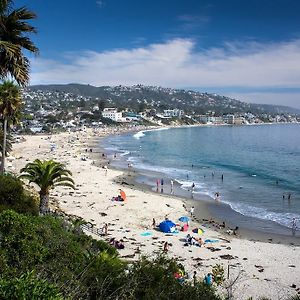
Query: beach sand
x=265, y=268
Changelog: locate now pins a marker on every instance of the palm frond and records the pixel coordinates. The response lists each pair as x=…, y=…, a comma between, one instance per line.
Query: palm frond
x=14, y=28
x=47, y=174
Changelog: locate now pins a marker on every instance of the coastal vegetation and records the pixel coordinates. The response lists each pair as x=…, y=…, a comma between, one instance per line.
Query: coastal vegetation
x=50, y=257
x=14, y=40
x=14, y=196
x=10, y=105
x=46, y=257
x=14, y=30
x=47, y=174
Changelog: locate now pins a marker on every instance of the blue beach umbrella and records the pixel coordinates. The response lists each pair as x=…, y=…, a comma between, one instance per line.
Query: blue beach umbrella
x=184, y=219
x=166, y=226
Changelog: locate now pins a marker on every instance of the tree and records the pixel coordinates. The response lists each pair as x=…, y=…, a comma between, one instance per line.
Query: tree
x=10, y=104
x=8, y=142
x=101, y=105
x=14, y=28
x=47, y=174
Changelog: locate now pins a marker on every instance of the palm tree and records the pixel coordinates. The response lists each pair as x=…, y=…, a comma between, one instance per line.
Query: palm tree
x=14, y=28
x=47, y=174
x=8, y=142
x=10, y=105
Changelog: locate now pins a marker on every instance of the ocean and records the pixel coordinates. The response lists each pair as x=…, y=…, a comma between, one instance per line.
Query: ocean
x=260, y=165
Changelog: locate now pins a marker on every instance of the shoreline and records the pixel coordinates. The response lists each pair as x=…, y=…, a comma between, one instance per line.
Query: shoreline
x=129, y=220
x=268, y=230
x=205, y=210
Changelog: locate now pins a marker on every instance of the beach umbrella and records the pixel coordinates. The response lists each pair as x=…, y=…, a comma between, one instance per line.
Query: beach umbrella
x=198, y=230
x=167, y=226
x=184, y=219
x=123, y=195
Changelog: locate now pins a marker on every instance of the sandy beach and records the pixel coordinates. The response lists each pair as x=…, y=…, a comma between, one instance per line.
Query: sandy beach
x=264, y=268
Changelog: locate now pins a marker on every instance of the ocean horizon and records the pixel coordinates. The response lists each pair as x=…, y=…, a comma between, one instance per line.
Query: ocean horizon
x=253, y=169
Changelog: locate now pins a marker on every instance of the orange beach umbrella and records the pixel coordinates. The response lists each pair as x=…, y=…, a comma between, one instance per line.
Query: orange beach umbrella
x=123, y=195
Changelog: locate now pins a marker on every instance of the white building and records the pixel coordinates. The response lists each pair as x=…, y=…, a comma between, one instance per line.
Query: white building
x=173, y=113
x=113, y=114
x=229, y=119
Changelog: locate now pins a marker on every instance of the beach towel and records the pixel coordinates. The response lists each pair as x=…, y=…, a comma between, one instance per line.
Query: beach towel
x=146, y=233
x=211, y=241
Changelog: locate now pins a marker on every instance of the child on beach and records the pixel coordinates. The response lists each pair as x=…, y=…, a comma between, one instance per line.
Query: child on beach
x=192, y=210
x=208, y=279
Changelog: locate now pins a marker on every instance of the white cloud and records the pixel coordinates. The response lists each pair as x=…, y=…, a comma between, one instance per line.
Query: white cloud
x=100, y=3
x=177, y=63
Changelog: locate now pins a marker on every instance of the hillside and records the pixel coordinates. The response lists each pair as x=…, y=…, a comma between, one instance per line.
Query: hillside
x=139, y=96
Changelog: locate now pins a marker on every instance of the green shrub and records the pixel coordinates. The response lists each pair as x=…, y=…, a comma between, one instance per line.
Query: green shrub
x=218, y=274
x=28, y=286
x=154, y=279
x=14, y=196
x=62, y=256
x=37, y=251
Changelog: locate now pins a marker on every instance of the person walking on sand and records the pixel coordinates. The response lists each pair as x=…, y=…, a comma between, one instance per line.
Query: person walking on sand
x=172, y=185
x=166, y=247
x=153, y=223
x=157, y=183
x=195, y=278
x=105, y=229
x=192, y=210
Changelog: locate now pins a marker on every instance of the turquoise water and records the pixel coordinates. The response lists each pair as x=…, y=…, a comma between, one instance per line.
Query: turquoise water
x=259, y=164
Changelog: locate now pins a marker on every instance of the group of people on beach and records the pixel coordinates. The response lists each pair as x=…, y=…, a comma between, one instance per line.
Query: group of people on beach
x=193, y=241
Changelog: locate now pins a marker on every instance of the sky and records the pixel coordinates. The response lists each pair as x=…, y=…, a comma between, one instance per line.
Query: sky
x=245, y=49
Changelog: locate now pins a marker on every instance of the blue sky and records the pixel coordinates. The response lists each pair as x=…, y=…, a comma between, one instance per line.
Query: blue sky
x=249, y=50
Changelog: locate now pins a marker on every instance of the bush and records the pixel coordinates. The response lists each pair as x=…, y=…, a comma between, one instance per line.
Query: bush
x=37, y=251
x=14, y=196
x=154, y=279
x=65, y=258
x=28, y=286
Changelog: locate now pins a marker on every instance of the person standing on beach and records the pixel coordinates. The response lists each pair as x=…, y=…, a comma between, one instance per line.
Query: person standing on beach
x=105, y=229
x=172, y=185
x=157, y=183
x=153, y=223
x=192, y=210
x=193, y=187
x=166, y=247
x=195, y=278
x=222, y=177
x=294, y=226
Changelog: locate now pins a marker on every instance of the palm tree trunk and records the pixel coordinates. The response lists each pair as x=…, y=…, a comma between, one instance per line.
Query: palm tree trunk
x=44, y=202
x=3, y=146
